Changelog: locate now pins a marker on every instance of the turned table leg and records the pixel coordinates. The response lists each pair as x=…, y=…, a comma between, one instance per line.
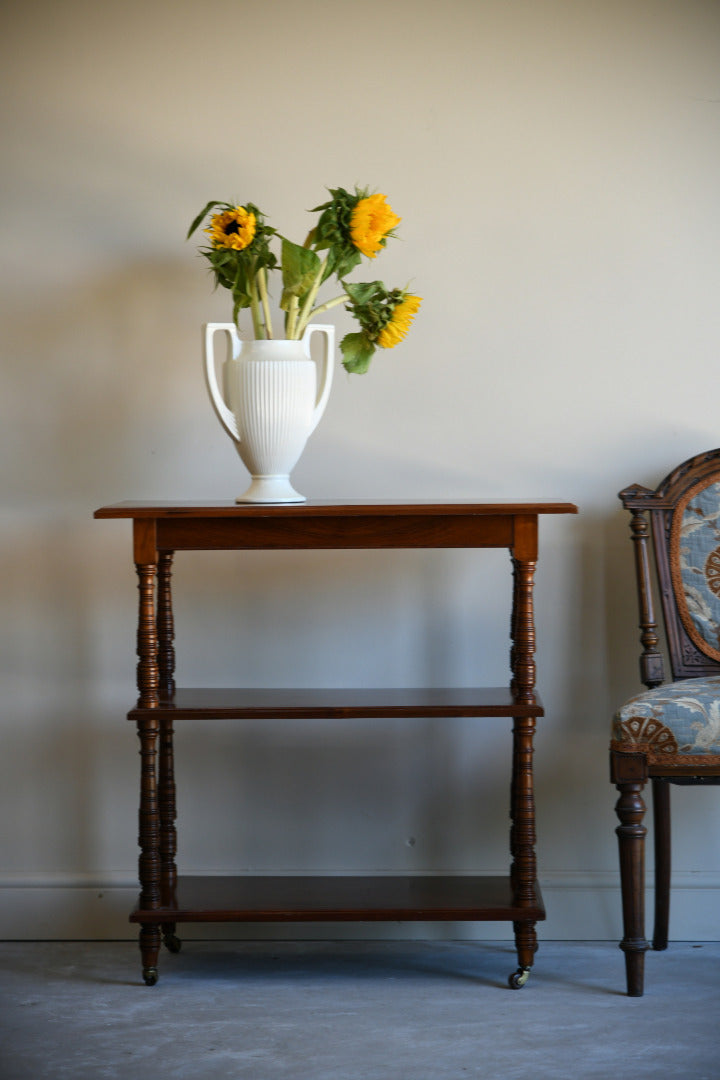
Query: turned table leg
x=523, y=871
x=149, y=863
x=523, y=840
x=168, y=832
x=165, y=626
x=166, y=767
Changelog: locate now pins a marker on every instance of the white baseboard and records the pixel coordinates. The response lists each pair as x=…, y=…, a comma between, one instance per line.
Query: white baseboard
x=580, y=907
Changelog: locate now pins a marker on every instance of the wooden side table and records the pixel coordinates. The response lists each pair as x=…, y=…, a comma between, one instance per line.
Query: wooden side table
x=166, y=898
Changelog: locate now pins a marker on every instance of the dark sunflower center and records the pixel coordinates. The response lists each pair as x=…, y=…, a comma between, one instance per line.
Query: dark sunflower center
x=233, y=227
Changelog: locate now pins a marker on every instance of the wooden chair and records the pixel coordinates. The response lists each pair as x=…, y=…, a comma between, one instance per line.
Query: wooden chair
x=671, y=732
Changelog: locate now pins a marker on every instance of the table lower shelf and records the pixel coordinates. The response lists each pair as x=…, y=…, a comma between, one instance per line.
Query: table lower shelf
x=344, y=899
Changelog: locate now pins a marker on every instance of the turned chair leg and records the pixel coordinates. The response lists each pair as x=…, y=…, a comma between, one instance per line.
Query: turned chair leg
x=631, y=832
x=661, y=825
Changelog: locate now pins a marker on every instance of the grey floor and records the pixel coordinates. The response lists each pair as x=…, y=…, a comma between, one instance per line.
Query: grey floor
x=329, y=1011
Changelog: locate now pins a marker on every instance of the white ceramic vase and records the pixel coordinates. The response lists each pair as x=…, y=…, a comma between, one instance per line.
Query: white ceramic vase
x=270, y=403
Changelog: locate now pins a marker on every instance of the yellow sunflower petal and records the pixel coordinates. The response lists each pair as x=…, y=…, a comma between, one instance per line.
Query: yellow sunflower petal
x=232, y=229
x=371, y=221
x=399, y=324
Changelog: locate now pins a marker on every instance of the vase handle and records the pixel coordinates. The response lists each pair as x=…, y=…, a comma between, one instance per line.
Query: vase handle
x=328, y=364
x=224, y=414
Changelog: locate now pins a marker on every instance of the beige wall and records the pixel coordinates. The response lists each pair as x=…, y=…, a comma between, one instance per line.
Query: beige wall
x=556, y=168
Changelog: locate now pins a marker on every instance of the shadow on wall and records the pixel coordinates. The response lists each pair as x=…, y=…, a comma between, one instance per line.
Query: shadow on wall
x=91, y=388
x=594, y=665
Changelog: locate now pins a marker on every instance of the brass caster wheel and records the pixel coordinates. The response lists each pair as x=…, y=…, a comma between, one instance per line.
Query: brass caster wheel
x=150, y=975
x=172, y=943
x=518, y=978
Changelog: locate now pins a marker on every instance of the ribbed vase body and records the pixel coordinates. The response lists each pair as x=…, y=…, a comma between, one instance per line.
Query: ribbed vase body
x=270, y=403
x=273, y=401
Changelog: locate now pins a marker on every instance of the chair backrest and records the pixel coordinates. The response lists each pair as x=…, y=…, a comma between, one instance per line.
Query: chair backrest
x=684, y=522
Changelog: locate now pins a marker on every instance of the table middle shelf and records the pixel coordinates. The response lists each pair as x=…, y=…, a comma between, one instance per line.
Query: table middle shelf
x=339, y=703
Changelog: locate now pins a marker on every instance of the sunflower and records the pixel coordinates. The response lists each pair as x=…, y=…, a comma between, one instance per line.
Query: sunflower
x=234, y=228
x=399, y=323
x=352, y=224
x=371, y=222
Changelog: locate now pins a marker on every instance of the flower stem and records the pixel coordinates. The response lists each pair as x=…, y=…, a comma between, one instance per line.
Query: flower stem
x=258, y=329
x=327, y=305
x=262, y=282
x=310, y=300
x=292, y=316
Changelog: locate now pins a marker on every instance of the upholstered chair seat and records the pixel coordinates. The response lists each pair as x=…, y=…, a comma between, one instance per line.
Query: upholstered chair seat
x=674, y=724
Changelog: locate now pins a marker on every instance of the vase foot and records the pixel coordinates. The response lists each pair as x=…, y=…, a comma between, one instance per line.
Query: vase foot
x=270, y=489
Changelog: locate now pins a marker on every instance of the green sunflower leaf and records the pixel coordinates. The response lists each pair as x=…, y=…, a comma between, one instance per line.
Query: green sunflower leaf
x=202, y=215
x=357, y=351
x=343, y=260
x=362, y=292
x=300, y=267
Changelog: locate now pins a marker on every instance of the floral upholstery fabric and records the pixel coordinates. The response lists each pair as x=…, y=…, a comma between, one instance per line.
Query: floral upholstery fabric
x=696, y=554
x=671, y=721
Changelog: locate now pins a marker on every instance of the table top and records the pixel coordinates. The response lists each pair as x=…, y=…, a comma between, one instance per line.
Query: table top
x=332, y=508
